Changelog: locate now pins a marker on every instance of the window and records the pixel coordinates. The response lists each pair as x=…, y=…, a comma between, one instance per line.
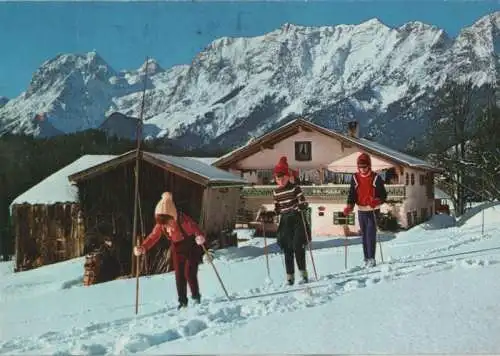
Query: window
x=340, y=219
x=407, y=181
x=303, y=151
x=423, y=213
x=412, y=179
x=408, y=219
x=429, y=185
x=415, y=217
x=391, y=176
x=422, y=179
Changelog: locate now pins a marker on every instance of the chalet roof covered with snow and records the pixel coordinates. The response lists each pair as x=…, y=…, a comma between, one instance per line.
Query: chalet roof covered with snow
x=206, y=160
x=401, y=157
x=197, y=166
x=291, y=128
x=188, y=167
x=56, y=188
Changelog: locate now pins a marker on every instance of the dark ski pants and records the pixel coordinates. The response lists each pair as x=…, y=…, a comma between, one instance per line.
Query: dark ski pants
x=368, y=228
x=186, y=272
x=300, y=256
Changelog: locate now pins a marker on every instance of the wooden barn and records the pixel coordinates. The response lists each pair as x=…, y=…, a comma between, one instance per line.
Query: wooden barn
x=209, y=195
x=46, y=218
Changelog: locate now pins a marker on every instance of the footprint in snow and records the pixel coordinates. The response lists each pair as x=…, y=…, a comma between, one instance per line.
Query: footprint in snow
x=193, y=327
x=141, y=342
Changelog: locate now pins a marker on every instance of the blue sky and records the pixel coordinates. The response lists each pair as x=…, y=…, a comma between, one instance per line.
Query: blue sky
x=124, y=33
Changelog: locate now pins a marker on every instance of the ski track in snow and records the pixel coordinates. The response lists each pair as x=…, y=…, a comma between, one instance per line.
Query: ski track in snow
x=216, y=316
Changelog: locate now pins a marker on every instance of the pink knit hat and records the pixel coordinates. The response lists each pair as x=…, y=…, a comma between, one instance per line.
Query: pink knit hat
x=166, y=206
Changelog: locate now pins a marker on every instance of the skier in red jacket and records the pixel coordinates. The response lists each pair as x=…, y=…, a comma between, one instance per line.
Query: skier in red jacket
x=368, y=192
x=186, y=240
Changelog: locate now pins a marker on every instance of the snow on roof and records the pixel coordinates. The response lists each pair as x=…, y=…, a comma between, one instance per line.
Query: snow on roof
x=206, y=160
x=375, y=147
x=403, y=157
x=253, y=139
x=239, y=148
x=196, y=166
x=56, y=188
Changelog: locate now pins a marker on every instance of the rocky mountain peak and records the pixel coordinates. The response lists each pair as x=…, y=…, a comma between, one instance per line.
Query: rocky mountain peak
x=237, y=88
x=64, y=68
x=153, y=67
x=488, y=21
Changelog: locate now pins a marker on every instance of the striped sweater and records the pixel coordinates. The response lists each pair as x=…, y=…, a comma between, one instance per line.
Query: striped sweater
x=289, y=198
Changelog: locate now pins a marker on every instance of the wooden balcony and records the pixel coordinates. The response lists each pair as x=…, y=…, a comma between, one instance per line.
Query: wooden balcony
x=331, y=193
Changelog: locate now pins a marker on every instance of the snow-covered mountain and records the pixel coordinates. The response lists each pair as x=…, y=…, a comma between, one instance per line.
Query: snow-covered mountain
x=240, y=87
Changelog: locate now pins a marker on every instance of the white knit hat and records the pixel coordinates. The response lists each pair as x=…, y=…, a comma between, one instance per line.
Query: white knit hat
x=166, y=206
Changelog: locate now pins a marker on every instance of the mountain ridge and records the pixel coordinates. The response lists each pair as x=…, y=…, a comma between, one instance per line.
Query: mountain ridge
x=239, y=87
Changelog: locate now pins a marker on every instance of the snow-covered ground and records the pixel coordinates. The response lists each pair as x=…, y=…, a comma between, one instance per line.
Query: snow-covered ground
x=437, y=292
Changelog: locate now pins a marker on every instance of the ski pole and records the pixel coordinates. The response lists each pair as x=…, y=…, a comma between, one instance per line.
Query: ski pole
x=216, y=272
x=282, y=253
x=377, y=237
x=309, y=243
x=345, y=241
x=210, y=260
x=265, y=248
x=263, y=227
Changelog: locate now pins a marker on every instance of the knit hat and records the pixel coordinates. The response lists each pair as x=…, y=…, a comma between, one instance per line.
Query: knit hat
x=282, y=167
x=364, y=160
x=166, y=206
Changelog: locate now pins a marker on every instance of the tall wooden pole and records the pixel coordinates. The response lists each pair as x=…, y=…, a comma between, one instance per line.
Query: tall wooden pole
x=135, y=238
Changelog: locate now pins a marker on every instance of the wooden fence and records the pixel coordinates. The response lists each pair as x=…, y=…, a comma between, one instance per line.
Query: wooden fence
x=46, y=234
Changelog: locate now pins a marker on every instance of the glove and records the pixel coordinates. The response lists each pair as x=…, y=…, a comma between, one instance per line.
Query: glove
x=347, y=210
x=139, y=250
x=200, y=239
x=209, y=256
x=374, y=202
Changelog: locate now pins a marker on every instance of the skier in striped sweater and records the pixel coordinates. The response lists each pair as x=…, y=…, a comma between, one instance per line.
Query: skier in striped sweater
x=289, y=203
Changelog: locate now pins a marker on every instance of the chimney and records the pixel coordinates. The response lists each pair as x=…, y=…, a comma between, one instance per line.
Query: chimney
x=353, y=129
